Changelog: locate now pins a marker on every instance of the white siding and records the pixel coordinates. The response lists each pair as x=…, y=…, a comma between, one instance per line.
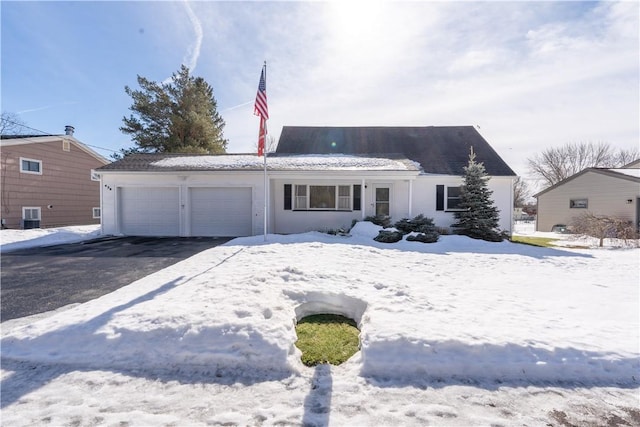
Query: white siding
x=424, y=196
x=250, y=181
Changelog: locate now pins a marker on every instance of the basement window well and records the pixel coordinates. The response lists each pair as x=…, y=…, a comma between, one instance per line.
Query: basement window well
x=327, y=327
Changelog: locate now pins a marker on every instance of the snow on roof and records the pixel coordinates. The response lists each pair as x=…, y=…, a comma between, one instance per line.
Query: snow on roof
x=302, y=162
x=627, y=171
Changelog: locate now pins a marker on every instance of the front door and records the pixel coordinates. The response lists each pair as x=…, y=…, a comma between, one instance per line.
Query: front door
x=382, y=200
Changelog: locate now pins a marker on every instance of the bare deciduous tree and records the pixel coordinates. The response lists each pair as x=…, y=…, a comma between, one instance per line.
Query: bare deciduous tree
x=521, y=192
x=270, y=144
x=555, y=164
x=10, y=124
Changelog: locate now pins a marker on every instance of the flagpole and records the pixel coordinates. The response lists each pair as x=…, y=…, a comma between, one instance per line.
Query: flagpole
x=266, y=192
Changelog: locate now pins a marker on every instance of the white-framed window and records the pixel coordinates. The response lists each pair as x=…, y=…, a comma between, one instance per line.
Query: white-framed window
x=30, y=166
x=95, y=213
x=322, y=197
x=453, y=198
x=94, y=175
x=31, y=213
x=300, y=197
x=578, y=203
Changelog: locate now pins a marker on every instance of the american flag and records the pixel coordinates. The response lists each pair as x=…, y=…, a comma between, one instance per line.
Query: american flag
x=261, y=109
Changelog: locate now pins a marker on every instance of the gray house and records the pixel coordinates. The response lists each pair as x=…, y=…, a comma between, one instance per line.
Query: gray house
x=601, y=191
x=320, y=178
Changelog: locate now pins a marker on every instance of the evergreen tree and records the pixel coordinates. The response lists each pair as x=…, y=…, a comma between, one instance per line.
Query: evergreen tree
x=478, y=217
x=176, y=117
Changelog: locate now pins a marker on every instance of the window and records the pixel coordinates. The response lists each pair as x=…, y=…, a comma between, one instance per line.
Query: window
x=31, y=214
x=321, y=197
x=96, y=213
x=344, y=197
x=301, y=197
x=382, y=201
x=66, y=145
x=453, y=198
x=30, y=166
x=578, y=203
x=94, y=175
x=448, y=198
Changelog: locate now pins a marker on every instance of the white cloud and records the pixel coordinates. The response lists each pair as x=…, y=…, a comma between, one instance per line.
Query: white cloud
x=532, y=75
x=193, y=52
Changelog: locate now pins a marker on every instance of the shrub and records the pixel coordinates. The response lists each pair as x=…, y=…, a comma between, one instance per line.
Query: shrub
x=424, y=237
x=388, y=236
x=419, y=224
x=602, y=226
x=424, y=227
x=383, y=221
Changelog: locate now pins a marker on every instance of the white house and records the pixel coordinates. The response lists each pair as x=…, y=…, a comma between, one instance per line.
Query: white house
x=320, y=178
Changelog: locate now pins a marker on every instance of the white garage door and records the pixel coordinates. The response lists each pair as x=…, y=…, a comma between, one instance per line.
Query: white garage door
x=149, y=211
x=220, y=211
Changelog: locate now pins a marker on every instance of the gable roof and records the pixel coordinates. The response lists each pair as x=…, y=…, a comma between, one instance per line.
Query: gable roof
x=628, y=174
x=163, y=162
x=438, y=149
x=12, y=140
x=632, y=165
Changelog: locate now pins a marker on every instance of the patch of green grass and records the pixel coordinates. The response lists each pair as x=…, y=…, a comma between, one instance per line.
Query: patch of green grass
x=327, y=338
x=546, y=242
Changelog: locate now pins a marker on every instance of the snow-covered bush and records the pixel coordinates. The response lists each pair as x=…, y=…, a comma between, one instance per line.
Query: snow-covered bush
x=423, y=237
x=388, y=236
x=422, y=228
x=383, y=221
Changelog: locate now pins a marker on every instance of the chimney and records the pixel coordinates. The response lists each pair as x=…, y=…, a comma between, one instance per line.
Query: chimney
x=68, y=130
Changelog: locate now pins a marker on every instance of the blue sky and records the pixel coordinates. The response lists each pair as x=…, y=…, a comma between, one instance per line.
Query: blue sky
x=530, y=75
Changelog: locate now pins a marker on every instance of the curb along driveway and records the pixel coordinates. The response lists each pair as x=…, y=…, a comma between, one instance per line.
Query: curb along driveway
x=37, y=280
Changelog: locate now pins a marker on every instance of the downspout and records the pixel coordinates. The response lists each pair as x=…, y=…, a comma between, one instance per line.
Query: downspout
x=362, y=200
x=410, y=198
x=101, y=206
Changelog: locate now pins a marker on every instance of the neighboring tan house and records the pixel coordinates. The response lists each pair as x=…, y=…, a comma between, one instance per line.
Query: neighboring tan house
x=601, y=191
x=48, y=181
x=319, y=179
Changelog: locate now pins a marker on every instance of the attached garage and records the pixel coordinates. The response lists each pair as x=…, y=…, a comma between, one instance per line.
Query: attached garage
x=149, y=211
x=220, y=211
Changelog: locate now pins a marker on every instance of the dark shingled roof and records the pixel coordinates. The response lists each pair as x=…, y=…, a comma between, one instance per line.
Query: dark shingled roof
x=438, y=149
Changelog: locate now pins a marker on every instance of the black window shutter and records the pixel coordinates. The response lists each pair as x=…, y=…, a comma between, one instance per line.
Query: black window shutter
x=439, y=197
x=357, y=197
x=287, y=197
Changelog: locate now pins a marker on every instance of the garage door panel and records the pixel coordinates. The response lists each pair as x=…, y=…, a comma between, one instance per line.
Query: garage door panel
x=149, y=211
x=221, y=211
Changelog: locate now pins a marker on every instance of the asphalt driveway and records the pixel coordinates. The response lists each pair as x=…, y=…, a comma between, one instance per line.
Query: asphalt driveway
x=37, y=280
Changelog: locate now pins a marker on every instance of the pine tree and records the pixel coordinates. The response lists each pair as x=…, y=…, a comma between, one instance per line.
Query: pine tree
x=176, y=117
x=478, y=217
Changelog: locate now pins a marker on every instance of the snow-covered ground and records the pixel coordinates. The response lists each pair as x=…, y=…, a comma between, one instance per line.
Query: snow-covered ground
x=459, y=332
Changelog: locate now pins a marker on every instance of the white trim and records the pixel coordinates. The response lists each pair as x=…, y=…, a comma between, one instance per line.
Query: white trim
x=26, y=159
x=93, y=213
x=37, y=208
x=307, y=197
x=53, y=138
x=446, y=199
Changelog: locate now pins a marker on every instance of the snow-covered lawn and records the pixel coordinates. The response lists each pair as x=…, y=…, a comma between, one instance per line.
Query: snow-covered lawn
x=459, y=332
